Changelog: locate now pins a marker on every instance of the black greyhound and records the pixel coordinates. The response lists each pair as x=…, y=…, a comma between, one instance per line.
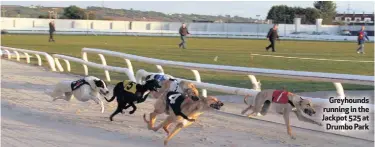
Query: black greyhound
x=128, y=92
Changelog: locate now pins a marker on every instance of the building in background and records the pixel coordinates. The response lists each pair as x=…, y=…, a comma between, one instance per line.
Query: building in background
x=351, y=23
x=354, y=19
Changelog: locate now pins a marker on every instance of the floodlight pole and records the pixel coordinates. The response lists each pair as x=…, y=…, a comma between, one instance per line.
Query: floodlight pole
x=49, y=13
x=87, y=22
x=258, y=25
x=3, y=10
x=285, y=16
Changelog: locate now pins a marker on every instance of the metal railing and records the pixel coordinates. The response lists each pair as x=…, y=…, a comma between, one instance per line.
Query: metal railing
x=27, y=52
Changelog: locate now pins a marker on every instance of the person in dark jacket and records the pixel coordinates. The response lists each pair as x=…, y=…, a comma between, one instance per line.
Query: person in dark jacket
x=183, y=33
x=51, y=30
x=362, y=34
x=272, y=36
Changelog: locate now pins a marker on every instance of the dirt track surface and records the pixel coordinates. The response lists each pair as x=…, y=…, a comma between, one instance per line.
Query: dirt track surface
x=30, y=118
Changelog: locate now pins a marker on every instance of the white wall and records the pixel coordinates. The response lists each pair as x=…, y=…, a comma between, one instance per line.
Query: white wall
x=236, y=30
x=122, y=26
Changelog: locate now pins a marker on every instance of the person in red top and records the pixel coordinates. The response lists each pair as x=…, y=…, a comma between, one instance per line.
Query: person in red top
x=183, y=33
x=362, y=34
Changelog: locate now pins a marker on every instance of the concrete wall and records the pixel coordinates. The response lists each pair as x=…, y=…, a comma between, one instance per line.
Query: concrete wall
x=142, y=26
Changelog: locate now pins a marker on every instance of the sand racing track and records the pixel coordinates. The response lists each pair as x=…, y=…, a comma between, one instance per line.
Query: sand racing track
x=30, y=118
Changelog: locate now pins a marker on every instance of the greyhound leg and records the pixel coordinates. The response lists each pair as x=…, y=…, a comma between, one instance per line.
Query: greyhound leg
x=134, y=107
x=101, y=105
x=305, y=119
x=55, y=92
x=258, y=105
x=174, y=132
x=168, y=120
x=60, y=97
x=98, y=101
x=152, y=120
x=247, y=109
x=159, y=106
x=68, y=96
x=165, y=128
x=185, y=124
x=287, y=123
x=118, y=110
x=126, y=107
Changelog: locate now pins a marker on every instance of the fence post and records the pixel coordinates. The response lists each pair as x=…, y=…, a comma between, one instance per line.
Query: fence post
x=130, y=67
x=131, y=76
x=160, y=68
x=84, y=57
x=198, y=79
x=9, y=55
x=339, y=90
x=27, y=58
x=340, y=93
x=139, y=74
x=256, y=84
x=58, y=64
x=51, y=62
x=39, y=59
x=67, y=65
x=17, y=55
x=104, y=62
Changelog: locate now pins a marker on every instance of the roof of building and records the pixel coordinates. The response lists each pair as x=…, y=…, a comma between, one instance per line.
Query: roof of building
x=355, y=15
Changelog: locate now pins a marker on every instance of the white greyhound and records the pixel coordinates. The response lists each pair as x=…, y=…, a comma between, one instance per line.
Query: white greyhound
x=84, y=89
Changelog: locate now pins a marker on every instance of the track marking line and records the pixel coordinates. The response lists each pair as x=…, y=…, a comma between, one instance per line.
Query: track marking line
x=319, y=59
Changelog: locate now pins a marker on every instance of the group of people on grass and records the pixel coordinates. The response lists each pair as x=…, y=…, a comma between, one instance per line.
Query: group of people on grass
x=272, y=36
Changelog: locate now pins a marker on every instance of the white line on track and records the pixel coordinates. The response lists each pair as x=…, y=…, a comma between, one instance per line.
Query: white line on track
x=319, y=59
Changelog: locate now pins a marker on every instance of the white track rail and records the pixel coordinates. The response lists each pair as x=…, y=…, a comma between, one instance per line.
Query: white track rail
x=27, y=52
x=126, y=71
x=336, y=79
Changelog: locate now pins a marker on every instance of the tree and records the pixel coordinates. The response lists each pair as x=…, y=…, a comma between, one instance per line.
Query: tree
x=327, y=10
x=311, y=15
x=283, y=13
x=91, y=16
x=74, y=12
x=43, y=16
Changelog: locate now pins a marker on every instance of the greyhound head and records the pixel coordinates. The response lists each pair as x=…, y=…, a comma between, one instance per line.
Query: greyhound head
x=152, y=85
x=102, y=86
x=307, y=106
x=213, y=102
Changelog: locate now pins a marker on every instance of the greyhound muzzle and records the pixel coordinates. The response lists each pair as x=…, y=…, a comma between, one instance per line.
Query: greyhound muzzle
x=156, y=88
x=217, y=105
x=309, y=112
x=102, y=92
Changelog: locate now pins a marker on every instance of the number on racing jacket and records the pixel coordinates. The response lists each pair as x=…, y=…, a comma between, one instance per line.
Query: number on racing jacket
x=175, y=99
x=172, y=98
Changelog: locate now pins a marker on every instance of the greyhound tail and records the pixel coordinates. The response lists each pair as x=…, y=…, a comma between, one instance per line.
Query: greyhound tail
x=265, y=107
x=110, y=100
x=48, y=92
x=245, y=99
x=144, y=118
x=116, y=90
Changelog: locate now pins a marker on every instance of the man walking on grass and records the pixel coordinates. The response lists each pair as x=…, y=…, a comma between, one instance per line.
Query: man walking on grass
x=183, y=33
x=362, y=34
x=272, y=36
x=51, y=30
